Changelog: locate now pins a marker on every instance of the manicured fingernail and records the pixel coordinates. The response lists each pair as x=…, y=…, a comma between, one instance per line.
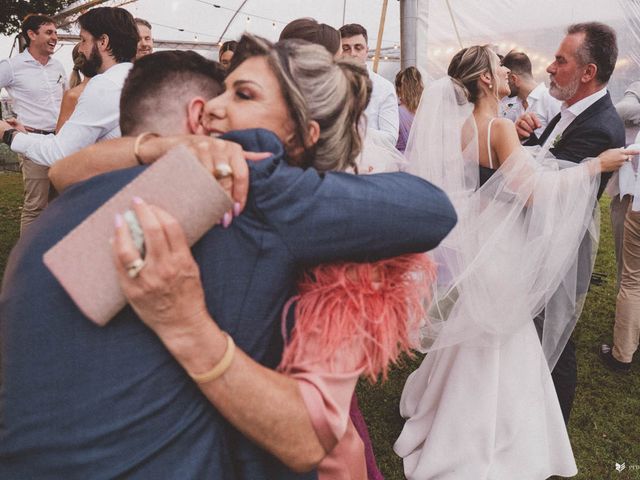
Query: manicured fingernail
x=118, y=220
x=226, y=220
x=138, y=200
x=236, y=209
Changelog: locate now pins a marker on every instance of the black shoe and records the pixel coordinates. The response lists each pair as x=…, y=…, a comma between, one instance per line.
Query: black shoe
x=611, y=362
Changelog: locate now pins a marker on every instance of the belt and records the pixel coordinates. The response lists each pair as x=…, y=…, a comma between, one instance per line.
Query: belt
x=37, y=130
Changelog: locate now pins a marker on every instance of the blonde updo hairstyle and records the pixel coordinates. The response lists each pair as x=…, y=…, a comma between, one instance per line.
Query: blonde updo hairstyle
x=78, y=62
x=468, y=65
x=315, y=87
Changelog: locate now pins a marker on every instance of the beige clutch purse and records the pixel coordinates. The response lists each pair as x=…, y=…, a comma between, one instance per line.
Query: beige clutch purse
x=83, y=260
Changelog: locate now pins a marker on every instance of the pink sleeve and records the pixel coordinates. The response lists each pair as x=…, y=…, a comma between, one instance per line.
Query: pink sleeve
x=327, y=390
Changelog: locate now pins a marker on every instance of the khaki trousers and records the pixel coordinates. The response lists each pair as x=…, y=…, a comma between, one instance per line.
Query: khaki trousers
x=626, y=331
x=618, y=210
x=35, y=179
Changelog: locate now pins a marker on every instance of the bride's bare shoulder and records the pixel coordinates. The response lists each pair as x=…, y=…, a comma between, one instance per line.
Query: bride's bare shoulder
x=504, y=138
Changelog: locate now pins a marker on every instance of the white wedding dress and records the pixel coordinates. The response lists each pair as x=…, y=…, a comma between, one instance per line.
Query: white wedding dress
x=482, y=405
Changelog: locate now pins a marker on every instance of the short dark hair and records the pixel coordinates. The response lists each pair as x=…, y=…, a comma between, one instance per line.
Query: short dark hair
x=160, y=83
x=518, y=63
x=142, y=21
x=599, y=47
x=310, y=30
x=118, y=25
x=34, y=21
x=353, y=29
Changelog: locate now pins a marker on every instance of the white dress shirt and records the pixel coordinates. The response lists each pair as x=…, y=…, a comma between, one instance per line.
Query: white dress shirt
x=382, y=111
x=96, y=117
x=568, y=115
x=543, y=105
x=36, y=89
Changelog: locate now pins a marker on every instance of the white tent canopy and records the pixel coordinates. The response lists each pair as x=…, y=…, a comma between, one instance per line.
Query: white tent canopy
x=442, y=26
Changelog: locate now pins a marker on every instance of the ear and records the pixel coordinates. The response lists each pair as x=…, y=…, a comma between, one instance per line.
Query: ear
x=195, y=108
x=590, y=72
x=103, y=43
x=515, y=79
x=32, y=35
x=314, y=133
x=486, y=78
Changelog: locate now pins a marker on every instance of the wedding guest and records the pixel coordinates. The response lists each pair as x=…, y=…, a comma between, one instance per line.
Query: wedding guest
x=225, y=54
x=249, y=395
x=382, y=111
x=587, y=125
x=36, y=82
x=77, y=85
x=310, y=30
x=409, y=90
x=108, y=39
x=145, y=43
x=533, y=97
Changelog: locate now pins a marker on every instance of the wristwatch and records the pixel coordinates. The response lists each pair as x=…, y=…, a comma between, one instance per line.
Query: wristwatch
x=8, y=136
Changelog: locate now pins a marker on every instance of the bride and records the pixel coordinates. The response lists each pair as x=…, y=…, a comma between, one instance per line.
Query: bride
x=482, y=405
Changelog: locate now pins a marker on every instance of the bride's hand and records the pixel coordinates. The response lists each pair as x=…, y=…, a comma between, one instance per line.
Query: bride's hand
x=612, y=159
x=166, y=291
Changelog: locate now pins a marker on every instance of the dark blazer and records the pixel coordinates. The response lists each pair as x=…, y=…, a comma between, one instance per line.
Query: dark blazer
x=80, y=401
x=592, y=132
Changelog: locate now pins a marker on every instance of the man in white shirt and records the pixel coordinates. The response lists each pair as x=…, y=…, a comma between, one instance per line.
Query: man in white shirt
x=145, y=44
x=383, y=120
x=35, y=82
x=108, y=41
x=533, y=97
x=586, y=126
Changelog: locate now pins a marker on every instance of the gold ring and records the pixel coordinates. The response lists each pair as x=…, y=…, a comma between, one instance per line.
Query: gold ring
x=222, y=171
x=133, y=269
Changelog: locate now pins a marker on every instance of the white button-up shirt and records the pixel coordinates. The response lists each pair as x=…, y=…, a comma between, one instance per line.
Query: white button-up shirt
x=96, y=117
x=36, y=89
x=382, y=112
x=569, y=114
x=539, y=101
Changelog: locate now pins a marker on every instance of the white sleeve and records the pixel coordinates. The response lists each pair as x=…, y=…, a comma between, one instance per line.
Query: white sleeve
x=96, y=113
x=6, y=74
x=388, y=116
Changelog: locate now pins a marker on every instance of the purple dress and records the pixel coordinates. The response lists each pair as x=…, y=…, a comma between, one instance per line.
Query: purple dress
x=406, y=119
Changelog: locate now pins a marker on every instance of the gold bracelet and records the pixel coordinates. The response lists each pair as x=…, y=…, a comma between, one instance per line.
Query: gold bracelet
x=220, y=367
x=138, y=142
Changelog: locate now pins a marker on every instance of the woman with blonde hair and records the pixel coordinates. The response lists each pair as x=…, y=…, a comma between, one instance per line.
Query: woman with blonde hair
x=350, y=319
x=482, y=405
x=409, y=90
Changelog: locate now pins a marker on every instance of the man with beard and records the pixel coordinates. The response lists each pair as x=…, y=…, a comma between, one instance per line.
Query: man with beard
x=108, y=41
x=586, y=126
x=145, y=44
x=35, y=82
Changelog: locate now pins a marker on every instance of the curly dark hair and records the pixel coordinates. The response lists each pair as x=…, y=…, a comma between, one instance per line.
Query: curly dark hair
x=117, y=24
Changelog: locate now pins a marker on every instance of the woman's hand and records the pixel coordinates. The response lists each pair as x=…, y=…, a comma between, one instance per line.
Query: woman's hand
x=218, y=157
x=165, y=289
x=612, y=159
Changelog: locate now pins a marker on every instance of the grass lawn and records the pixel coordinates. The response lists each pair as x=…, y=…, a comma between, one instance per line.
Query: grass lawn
x=605, y=423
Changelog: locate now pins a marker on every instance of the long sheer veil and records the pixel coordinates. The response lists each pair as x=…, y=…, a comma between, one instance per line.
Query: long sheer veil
x=525, y=241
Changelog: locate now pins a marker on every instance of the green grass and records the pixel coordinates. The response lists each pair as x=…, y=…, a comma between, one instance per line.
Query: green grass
x=605, y=423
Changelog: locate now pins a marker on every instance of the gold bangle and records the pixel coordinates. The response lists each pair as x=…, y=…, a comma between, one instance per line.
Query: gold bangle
x=138, y=142
x=220, y=367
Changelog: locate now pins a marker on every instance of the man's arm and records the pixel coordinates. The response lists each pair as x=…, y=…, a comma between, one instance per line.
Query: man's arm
x=388, y=120
x=629, y=107
x=96, y=113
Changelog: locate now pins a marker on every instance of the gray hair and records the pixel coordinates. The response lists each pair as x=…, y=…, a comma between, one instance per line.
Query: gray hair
x=316, y=87
x=599, y=47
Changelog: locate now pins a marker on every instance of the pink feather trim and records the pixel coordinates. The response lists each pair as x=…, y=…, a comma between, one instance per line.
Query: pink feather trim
x=368, y=312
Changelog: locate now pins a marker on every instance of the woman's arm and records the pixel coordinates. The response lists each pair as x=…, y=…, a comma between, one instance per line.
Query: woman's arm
x=167, y=295
x=68, y=105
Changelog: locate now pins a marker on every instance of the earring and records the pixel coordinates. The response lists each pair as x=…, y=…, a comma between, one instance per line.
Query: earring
x=490, y=85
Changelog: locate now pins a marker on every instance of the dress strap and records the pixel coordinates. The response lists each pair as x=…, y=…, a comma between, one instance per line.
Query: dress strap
x=489, y=143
